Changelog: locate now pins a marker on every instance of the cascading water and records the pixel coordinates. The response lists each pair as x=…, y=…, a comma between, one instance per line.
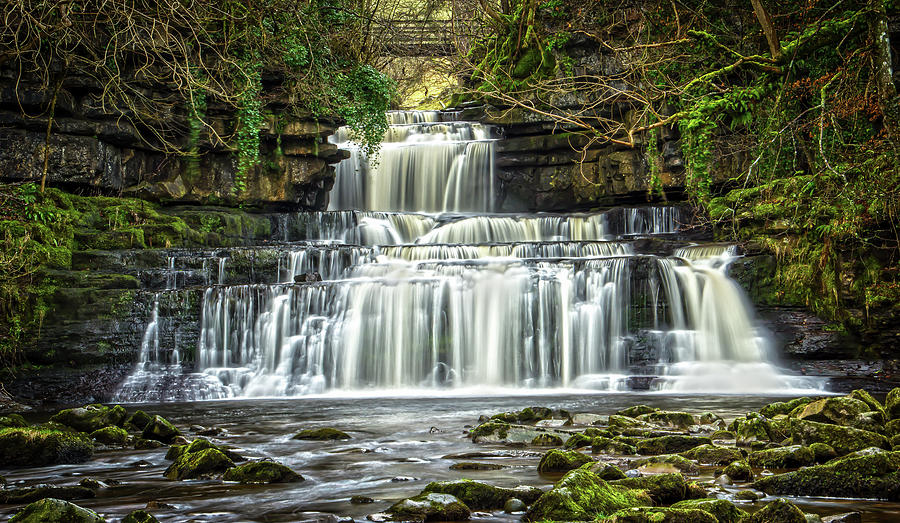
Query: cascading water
x=378, y=299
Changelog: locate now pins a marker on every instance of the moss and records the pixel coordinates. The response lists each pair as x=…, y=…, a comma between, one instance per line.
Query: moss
x=481, y=496
x=12, y=421
x=618, y=423
x=783, y=457
x=430, y=507
x=176, y=451
x=842, y=439
x=875, y=405
x=822, y=452
x=612, y=446
x=262, y=472
x=557, y=460
x=724, y=510
x=751, y=429
x=203, y=463
x=892, y=404
x=663, y=488
x=110, y=436
x=722, y=434
x=739, y=471
x=160, y=429
x=675, y=461
x=605, y=471
x=841, y=411
x=549, y=440
x=91, y=417
x=139, y=420
x=139, y=516
x=491, y=428
x=680, y=420
x=323, y=434
x=779, y=511
x=713, y=454
x=872, y=474
x=662, y=515
x=31, y=447
x=636, y=410
x=670, y=444
x=579, y=440
x=582, y=496
x=55, y=510
x=21, y=496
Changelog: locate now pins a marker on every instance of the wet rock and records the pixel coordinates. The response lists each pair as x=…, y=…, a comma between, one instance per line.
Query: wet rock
x=481, y=496
x=841, y=411
x=723, y=480
x=361, y=500
x=722, y=435
x=582, y=496
x=29, y=494
x=12, y=421
x=713, y=454
x=201, y=464
x=746, y=495
x=91, y=417
x=430, y=507
x=110, y=436
x=790, y=457
x=847, y=517
x=873, y=404
x=147, y=444
x=322, y=434
x=739, y=471
x=873, y=474
x=52, y=510
x=468, y=465
x=783, y=407
x=753, y=428
x=778, y=511
x=670, y=444
x=92, y=483
x=892, y=404
x=30, y=447
x=612, y=446
x=157, y=505
x=842, y=439
x=723, y=510
x=664, y=489
x=710, y=418
x=586, y=419
x=139, y=516
x=822, y=452
x=199, y=444
x=636, y=410
x=549, y=440
x=577, y=441
x=514, y=505
x=662, y=515
x=670, y=462
x=160, y=429
x=618, y=423
x=262, y=472
x=678, y=420
x=562, y=460
x=139, y=420
x=531, y=415
x=606, y=471
x=403, y=479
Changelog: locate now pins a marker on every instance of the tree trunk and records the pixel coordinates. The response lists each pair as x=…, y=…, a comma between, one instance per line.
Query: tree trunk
x=884, y=74
x=766, y=22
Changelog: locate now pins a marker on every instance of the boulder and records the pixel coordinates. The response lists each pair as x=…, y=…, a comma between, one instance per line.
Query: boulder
x=873, y=474
x=783, y=407
x=751, y=429
x=664, y=489
x=430, y=507
x=822, y=452
x=514, y=505
x=323, y=434
x=12, y=421
x=91, y=417
x=160, y=429
x=576, y=441
x=552, y=440
x=665, y=463
x=24, y=495
x=846, y=517
x=678, y=420
x=110, y=436
x=199, y=444
x=557, y=460
x=618, y=423
x=139, y=516
x=840, y=411
x=713, y=454
x=637, y=410
x=201, y=464
x=532, y=415
x=790, y=457
x=606, y=471
x=892, y=404
x=670, y=444
x=739, y=471
x=582, y=496
x=481, y=496
x=723, y=510
x=661, y=515
x=778, y=511
x=29, y=447
x=262, y=472
x=138, y=421
x=842, y=439
x=52, y=510
x=471, y=465
x=612, y=446
x=873, y=403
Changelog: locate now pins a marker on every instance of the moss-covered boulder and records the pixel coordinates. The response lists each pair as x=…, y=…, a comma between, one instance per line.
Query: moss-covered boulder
x=160, y=429
x=739, y=471
x=12, y=421
x=751, y=429
x=790, y=457
x=713, y=454
x=551, y=440
x=723, y=510
x=430, y=507
x=322, y=434
x=262, y=472
x=874, y=404
x=582, y=496
x=19, y=496
x=839, y=411
x=665, y=463
x=892, y=404
x=110, y=436
x=138, y=421
x=721, y=435
x=823, y=453
x=872, y=473
x=30, y=447
x=664, y=418
x=201, y=464
x=139, y=516
x=779, y=511
x=557, y=460
x=91, y=417
x=661, y=515
x=52, y=510
x=664, y=489
x=531, y=415
x=606, y=471
x=612, y=446
x=618, y=423
x=783, y=407
x=637, y=410
x=481, y=496
x=670, y=444
x=199, y=444
x=842, y=439
x=576, y=441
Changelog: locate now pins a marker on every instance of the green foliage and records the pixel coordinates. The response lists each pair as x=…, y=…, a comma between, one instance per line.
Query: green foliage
x=249, y=121
x=365, y=95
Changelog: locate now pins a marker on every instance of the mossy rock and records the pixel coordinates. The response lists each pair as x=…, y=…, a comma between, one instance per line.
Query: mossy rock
x=612, y=446
x=492, y=431
x=29, y=447
x=91, y=417
x=430, y=507
x=262, y=472
x=822, y=452
x=873, y=403
x=481, y=496
x=138, y=421
x=323, y=434
x=147, y=444
x=672, y=462
x=605, y=471
x=549, y=440
x=577, y=441
x=471, y=465
x=664, y=489
x=739, y=471
x=557, y=460
x=723, y=510
x=139, y=516
x=637, y=410
x=618, y=423
x=722, y=435
x=12, y=421
x=24, y=495
x=713, y=454
x=594, y=432
x=783, y=407
x=892, y=404
x=582, y=496
x=670, y=444
x=531, y=415
x=873, y=474
x=160, y=429
x=201, y=464
x=790, y=457
x=662, y=515
x=52, y=510
x=841, y=411
x=110, y=436
x=892, y=428
x=710, y=418
x=751, y=429
x=664, y=418
x=842, y=439
x=779, y=511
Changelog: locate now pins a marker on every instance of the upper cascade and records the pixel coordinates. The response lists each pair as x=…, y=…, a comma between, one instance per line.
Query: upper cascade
x=424, y=165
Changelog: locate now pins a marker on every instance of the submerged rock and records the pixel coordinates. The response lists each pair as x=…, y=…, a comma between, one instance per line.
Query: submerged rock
x=91, y=417
x=670, y=444
x=430, y=507
x=582, y=496
x=557, y=460
x=322, y=434
x=662, y=515
x=713, y=454
x=361, y=500
x=723, y=510
x=52, y=510
x=29, y=494
x=481, y=496
x=140, y=516
x=262, y=472
x=664, y=489
x=160, y=429
x=846, y=517
x=783, y=457
x=31, y=447
x=779, y=511
x=203, y=463
x=842, y=439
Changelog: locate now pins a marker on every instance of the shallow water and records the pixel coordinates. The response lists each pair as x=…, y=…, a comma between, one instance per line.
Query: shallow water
x=399, y=444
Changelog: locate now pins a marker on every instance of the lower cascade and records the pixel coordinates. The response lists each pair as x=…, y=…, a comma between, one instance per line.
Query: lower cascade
x=381, y=300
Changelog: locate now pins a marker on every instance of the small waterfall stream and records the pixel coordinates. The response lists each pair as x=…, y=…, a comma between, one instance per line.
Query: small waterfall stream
x=422, y=287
